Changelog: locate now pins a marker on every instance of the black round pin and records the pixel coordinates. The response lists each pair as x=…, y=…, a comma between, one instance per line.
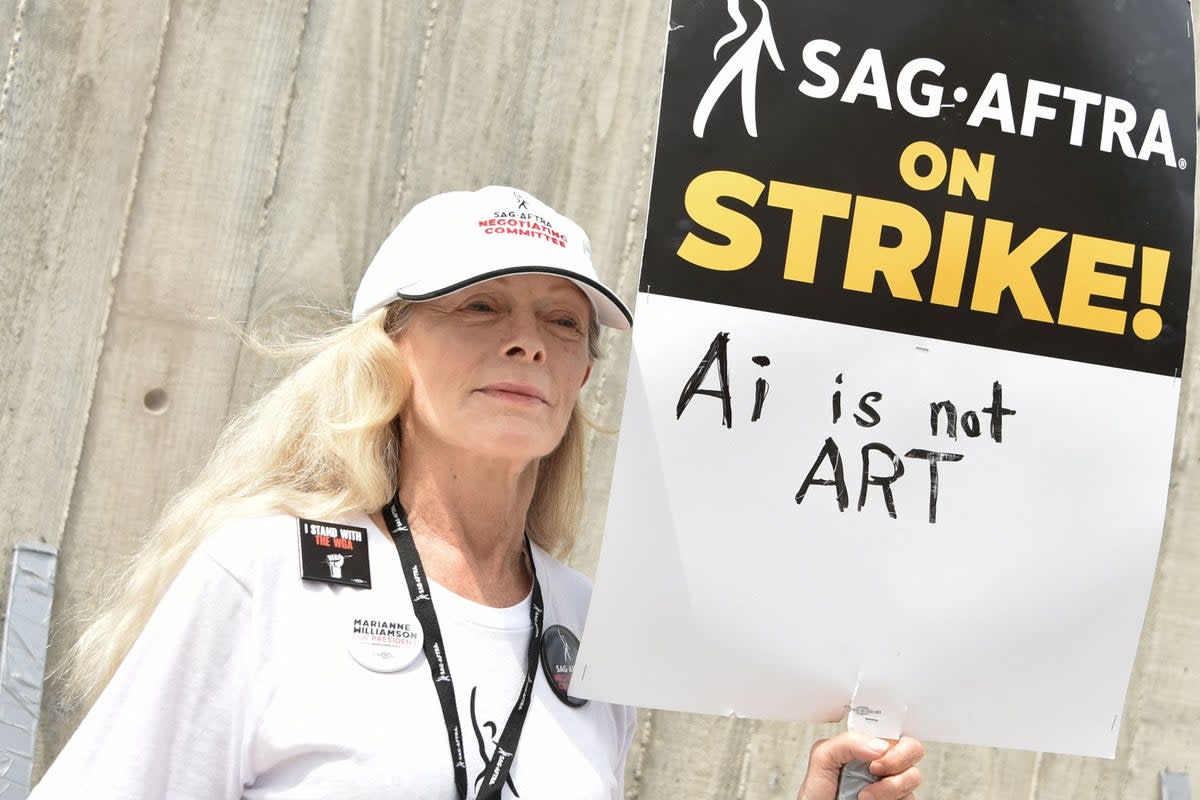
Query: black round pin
x=559, y=647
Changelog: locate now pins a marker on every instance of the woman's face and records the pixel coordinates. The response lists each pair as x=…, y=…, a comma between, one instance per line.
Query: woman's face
x=496, y=367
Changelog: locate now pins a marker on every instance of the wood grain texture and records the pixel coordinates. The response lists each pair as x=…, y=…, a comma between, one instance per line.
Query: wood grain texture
x=12, y=23
x=188, y=261
x=337, y=171
x=169, y=169
x=72, y=117
x=74, y=102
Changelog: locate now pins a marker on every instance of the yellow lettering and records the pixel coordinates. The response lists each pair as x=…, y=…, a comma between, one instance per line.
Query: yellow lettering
x=867, y=254
x=937, y=166
x=977, y=176
x=952, y=259
x=1003, y=269
x=701, y=202
x=1083, y=282
x=809, y=207
x=1147, y=323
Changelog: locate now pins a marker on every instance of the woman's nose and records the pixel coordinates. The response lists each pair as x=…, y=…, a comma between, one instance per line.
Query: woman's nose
x=524, y=338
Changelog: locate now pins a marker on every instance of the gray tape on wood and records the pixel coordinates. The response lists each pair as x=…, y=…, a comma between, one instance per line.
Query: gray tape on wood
x=23, y=663
x=1175, y=785
x=855, y=777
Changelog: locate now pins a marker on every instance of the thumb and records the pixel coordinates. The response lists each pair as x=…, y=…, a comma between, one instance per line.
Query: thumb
x=852, y=746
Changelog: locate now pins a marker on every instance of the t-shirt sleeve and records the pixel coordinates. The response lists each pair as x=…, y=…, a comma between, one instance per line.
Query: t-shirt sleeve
x=626, y=742
x=173, y=720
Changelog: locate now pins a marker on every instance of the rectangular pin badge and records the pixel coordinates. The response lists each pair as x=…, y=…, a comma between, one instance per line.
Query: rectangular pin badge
x=334, y=553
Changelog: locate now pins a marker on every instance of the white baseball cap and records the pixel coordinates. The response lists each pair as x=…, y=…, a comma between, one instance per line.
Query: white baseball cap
x=456, y=239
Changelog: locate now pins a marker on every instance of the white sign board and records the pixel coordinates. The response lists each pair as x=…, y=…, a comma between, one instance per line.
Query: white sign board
x=900, y=415
x=1012, y=621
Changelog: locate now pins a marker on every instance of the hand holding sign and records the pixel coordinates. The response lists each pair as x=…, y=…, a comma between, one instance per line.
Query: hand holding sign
x=894, y=767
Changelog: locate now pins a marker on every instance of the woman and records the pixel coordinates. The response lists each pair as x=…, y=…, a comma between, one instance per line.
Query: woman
x=360, y=580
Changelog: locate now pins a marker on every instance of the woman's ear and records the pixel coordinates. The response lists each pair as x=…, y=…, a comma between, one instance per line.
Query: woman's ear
x=586, y=374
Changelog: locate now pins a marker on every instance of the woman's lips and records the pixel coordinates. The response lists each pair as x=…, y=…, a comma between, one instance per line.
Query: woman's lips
x=515, y=392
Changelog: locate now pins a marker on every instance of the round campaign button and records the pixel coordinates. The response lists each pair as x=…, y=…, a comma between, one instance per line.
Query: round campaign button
x=559, y=647
x=384, y=642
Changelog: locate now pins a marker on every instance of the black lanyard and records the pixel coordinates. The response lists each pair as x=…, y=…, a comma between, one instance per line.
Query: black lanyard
x=496, y=772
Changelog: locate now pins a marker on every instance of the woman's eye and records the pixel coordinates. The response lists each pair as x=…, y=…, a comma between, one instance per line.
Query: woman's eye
x=479, y=305
x=568, y=322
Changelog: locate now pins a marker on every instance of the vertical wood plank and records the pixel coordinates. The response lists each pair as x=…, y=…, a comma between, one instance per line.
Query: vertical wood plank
x=339, y=163
x=73, y=100
x=12, y=13
x=76, y=94
x=207, y=168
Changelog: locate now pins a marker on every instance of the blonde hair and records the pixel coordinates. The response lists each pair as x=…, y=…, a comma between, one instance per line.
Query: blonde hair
x=304, y=450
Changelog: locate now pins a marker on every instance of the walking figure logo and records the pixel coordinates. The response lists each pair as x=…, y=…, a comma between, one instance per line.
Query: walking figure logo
x=566, y=648
x=743, y=63
x=492, y=730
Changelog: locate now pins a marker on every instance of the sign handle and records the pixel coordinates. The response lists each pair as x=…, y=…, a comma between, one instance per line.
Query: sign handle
x=853, y=779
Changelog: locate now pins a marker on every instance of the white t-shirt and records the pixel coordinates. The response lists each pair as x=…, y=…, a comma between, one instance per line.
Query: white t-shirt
x=242, y=685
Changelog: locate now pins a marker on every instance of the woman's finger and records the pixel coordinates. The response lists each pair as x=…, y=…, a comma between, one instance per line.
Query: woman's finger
x=847, y=747
x=893, y=787
x=903, y=754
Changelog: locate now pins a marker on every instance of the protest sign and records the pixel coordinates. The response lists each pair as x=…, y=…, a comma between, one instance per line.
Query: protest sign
x=902, y=401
